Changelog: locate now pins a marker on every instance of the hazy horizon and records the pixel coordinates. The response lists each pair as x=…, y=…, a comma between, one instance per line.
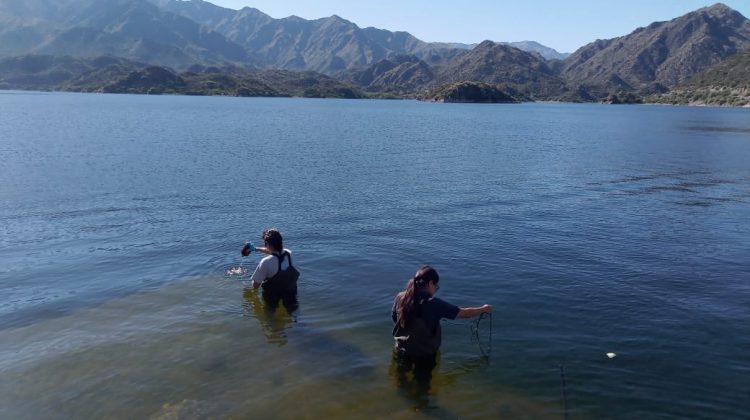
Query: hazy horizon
x=565, y=29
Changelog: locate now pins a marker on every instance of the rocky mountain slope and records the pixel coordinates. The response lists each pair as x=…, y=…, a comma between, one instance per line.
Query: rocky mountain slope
x=117, y=75
x=504, y=65
x=725, y=84
x=524, y=74
x=661, y=55
x=132, y=29
x=403, y=75
x=328, y=45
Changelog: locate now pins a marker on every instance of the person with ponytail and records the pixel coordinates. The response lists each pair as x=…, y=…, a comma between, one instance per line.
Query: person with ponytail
x=416, y=317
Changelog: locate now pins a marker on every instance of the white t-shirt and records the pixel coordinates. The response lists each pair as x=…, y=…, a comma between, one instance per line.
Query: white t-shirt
x=268, y=267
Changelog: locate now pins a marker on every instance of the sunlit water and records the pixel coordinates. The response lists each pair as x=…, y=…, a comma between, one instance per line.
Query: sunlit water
x=591, y=229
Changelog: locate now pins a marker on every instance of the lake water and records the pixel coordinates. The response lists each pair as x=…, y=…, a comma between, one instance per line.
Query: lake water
x=590, y=229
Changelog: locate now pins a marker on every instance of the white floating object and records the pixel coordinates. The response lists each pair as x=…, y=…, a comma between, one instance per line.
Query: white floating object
x=236, y=271
x=611, y=355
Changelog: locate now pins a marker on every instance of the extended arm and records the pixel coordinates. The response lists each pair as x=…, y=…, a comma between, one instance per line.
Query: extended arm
x=474, y=312
x=248, y=248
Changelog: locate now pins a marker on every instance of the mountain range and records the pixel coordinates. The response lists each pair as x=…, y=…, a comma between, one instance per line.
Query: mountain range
x=131, y=29
x=118, y=75
x=725, y=84
x=70, y=36
x=661, y=55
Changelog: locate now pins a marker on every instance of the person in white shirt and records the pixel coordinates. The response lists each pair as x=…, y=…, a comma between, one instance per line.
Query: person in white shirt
x=275, y=273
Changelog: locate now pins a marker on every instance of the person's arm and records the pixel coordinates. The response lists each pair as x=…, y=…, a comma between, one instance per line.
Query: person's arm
x=248, y=248
x=259, y=276
x=474, y=312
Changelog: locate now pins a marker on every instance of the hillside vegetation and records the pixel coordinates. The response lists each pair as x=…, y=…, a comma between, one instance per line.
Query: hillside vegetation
x=726, y=84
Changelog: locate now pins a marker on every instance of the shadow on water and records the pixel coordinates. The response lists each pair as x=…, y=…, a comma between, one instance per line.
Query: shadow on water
x=413, y=377
x=700, y=188
x=686, y=187
x=418, y=380
x=715, y=129
x=274, y=319
x=421, y=382
x=649, y=177
x=413, y=380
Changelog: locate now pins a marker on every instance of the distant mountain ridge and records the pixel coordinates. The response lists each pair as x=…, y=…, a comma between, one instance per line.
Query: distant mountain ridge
x=117, y=75
x=501, y=64
x=528, y=46
x=132, y=29
x=520, y=73
x=327, y=45
x=661, y=55
x=184, y=35
x=535, y=47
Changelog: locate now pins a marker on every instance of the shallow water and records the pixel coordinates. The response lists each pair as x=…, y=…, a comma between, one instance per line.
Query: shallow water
x=591, y=229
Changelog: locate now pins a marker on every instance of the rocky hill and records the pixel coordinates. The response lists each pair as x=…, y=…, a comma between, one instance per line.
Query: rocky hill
x=47, y=72
x=470, y=92
x=659, y=56
x=725, y=84
x=507, y=66
x=520, y=73
x=400, y=76
x=117, y=75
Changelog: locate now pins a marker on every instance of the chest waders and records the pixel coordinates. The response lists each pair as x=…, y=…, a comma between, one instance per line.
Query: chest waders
x=417, y=339
x=283, y=285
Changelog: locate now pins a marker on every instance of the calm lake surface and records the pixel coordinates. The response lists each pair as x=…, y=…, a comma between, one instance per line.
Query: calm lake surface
x=590, y=229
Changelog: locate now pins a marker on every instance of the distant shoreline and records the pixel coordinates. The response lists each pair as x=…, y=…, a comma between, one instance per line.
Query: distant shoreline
x=694, y=105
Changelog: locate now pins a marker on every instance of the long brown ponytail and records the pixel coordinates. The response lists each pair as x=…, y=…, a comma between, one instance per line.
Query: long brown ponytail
x=405, y=303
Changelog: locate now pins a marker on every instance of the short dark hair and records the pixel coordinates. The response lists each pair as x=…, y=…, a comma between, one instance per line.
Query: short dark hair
x=272, y=238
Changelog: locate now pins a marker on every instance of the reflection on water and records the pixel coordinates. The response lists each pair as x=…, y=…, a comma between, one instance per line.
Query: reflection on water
x=275, y=319
x=180, y=352
x=413, y=376
x=185, y=409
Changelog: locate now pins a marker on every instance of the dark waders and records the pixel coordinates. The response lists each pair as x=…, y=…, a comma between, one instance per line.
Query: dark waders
x=282, y=287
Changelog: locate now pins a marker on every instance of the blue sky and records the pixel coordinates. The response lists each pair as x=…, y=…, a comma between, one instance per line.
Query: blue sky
x=560, y=24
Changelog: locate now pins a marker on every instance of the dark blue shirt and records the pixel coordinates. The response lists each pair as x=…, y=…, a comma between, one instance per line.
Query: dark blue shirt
x=427, y=315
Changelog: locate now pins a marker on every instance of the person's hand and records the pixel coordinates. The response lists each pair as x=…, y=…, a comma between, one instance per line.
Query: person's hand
x=486, y=309
x=247, y=249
